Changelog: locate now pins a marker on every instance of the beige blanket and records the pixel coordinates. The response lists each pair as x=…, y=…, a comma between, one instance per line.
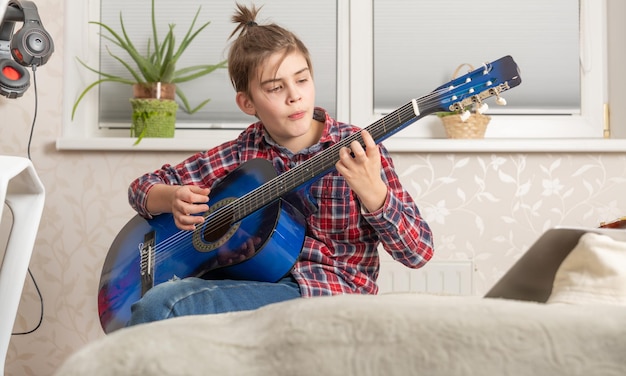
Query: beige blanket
x=395, y=334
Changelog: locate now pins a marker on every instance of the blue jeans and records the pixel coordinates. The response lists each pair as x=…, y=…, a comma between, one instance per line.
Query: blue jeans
x=195, y=296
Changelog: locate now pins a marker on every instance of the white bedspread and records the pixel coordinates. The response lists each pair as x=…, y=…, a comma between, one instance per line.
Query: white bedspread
x=395, y=334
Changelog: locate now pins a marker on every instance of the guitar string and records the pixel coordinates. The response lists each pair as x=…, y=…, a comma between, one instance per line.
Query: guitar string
x=226, y=213
x=315, y=166
x=169, y=246
x=285, y=182
x=247, y=203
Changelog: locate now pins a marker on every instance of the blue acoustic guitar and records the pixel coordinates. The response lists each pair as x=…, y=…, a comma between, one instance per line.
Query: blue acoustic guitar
x=252, y=230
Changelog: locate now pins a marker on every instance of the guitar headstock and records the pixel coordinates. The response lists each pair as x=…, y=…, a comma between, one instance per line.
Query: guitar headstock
x=490, y=80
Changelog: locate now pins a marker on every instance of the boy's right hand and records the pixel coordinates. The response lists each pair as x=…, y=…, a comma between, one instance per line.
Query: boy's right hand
x=187, y=201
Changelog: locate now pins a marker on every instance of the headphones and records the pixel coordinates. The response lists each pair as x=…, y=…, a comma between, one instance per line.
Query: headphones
x=30, y=46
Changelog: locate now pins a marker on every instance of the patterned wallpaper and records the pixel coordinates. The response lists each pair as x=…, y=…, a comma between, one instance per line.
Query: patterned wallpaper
x=487, y=208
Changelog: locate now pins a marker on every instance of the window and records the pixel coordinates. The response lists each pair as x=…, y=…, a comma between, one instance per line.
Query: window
x=479, y=29
x=413, y=46
x=350, y=42
x=313, y=21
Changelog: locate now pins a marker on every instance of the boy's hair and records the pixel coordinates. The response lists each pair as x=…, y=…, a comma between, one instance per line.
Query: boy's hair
x=255, y=44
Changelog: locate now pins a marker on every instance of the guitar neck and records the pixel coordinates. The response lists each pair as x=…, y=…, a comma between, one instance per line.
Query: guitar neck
x=470, y=89
x=324, y=162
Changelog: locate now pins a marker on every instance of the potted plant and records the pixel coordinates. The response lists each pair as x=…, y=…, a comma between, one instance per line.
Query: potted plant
x=154, y=77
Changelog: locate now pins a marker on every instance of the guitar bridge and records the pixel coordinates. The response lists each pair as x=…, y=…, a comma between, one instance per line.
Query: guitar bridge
x=146, y=264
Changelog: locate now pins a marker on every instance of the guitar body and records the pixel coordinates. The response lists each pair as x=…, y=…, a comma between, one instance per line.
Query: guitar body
x=263, y=246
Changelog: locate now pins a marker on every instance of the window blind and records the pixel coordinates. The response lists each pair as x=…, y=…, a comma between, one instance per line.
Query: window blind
x=419, y=44
x=313, y=21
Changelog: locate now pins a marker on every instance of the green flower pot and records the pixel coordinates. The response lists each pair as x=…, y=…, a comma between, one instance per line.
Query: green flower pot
x=153, y=118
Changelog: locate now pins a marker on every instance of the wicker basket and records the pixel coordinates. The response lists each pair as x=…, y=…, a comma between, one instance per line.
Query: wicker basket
x=474, y=127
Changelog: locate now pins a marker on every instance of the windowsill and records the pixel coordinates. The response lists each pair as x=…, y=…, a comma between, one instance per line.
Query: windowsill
x=187, y=142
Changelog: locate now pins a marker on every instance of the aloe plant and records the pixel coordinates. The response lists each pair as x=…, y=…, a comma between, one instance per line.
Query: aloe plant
x=157, y=65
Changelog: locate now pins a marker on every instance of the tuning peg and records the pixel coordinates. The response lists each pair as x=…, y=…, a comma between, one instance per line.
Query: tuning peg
x=482, y=108
x=500, y=101
x=465, y=115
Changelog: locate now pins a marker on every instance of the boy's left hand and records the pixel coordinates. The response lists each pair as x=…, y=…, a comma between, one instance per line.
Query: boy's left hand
x=361, y=169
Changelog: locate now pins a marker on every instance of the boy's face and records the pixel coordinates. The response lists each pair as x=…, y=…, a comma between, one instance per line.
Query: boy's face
x=283, y=98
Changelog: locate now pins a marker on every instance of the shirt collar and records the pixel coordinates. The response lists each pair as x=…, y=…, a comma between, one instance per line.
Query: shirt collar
x=329, y=136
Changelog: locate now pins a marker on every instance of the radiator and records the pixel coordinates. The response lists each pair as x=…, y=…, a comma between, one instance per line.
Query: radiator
x=444, y=277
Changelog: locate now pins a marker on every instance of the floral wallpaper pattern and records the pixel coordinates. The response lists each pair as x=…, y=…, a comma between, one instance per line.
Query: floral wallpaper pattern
x=483, y=207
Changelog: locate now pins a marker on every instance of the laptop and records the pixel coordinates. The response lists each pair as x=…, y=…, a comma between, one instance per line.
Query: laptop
x=532, y=276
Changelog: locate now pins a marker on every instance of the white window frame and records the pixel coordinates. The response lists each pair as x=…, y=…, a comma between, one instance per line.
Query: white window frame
x=354, y=95
x=505, y=132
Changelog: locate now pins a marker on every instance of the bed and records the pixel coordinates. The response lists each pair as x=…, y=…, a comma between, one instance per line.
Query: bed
x=555, y=312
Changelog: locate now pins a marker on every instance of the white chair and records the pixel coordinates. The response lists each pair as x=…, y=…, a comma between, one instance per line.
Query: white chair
x=23, y=193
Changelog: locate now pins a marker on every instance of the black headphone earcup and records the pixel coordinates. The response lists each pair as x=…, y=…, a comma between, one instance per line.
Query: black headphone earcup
x=14, y=79
x=31, y=45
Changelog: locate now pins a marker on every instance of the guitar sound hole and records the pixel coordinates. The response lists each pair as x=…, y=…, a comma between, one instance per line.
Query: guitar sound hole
x=217, y=228
x=214, y=233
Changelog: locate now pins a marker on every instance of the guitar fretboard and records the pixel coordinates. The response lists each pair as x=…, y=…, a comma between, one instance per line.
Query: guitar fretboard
x=468, y=89
x=323, y=162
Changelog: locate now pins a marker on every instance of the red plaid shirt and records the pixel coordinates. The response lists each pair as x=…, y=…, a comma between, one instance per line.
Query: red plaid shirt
x=340, y=252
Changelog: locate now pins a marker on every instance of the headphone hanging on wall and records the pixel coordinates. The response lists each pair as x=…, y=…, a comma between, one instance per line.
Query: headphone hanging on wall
x=30, y=46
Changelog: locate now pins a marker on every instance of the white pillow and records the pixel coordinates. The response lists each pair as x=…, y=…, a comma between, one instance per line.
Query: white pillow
x=593, y=272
